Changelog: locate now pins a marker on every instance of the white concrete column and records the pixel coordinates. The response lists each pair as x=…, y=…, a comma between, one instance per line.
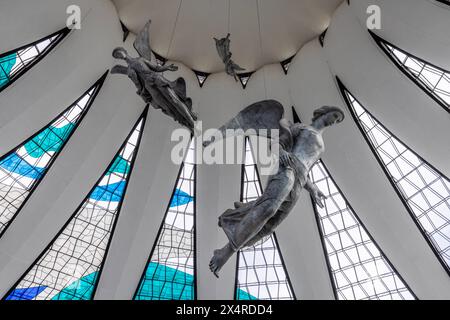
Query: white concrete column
x=75, y=172
x=403, y=107
x=218, y=186
x=148, y=195
x=63, y=76
x=349, y=158
x=419, y=27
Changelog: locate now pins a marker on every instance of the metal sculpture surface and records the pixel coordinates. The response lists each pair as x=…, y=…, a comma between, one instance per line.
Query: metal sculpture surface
x=152, y=86
x=223, y=48
x=301, y=146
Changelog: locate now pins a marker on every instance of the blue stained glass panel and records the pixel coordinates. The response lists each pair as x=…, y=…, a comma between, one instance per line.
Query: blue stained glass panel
x=180, y=198
x=6, y=65
x=15, y=63
x=165, y=283
x=242, y=295
x=169, y=274
x=26, y=293
x=15, y=164
x=48, y=140
x=70, y=267
x=110, y=193
x=23, y=168
x=80, y=289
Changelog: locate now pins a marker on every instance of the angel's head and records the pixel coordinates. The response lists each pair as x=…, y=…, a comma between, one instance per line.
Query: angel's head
x=120, y=53
x=328, y=116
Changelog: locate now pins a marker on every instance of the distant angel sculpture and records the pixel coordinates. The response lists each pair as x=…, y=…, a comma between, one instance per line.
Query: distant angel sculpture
x=152, y=86
x=301, y=146
x=223, y=48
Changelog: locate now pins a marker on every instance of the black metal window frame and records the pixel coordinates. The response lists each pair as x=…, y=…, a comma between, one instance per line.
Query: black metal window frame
x=62, y=34
x=242, y=198
x=142, y=118
x=161, y=229
x=244, y=78
x=322, y=236
x=201, y=77
x=97, y=86
x=447, y=2
x=322, y=37
x=343, y=89
x=382, y=45
x=285, y=64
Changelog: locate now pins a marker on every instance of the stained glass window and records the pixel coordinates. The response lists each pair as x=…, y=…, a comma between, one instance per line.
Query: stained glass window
x=261, y=273
x=201, y=77
x=22, y=169
x=170, y=272
x=243, y=78
x=322, y=37
x=125, y=30
x=15, y=63
x=160, y=61
x=69, y=269
x=424, y=190
x=433, y=80
x=286, y=64
x=359, y=270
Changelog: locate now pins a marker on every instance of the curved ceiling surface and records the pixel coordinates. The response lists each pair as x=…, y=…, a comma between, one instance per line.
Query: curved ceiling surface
x=262, y=31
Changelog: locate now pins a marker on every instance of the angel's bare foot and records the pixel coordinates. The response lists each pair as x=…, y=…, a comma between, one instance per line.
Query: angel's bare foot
x=219, y=259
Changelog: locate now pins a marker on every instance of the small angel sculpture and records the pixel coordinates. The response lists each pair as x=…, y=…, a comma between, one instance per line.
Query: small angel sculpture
x=223, y=48
x=152, y=86
x=301, y=146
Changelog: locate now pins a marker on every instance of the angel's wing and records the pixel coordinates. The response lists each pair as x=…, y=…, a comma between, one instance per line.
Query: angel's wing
x=142, y=42
x=258, y=116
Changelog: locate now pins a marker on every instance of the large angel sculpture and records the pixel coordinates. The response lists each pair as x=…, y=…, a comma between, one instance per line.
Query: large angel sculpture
x=223, y=48
x=152, y=86
x=301, y=146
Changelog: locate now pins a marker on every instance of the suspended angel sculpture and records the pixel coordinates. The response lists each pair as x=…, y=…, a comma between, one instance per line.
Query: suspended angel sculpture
x=301, y=146
x=152, y=86
x=223, y=48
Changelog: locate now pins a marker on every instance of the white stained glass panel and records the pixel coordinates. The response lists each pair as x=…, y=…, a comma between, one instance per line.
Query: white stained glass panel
x=359, y=269
x=261, y=273
x=425, y=190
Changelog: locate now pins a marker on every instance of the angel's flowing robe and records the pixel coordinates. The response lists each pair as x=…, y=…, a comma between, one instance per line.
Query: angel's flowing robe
x=282, y=191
